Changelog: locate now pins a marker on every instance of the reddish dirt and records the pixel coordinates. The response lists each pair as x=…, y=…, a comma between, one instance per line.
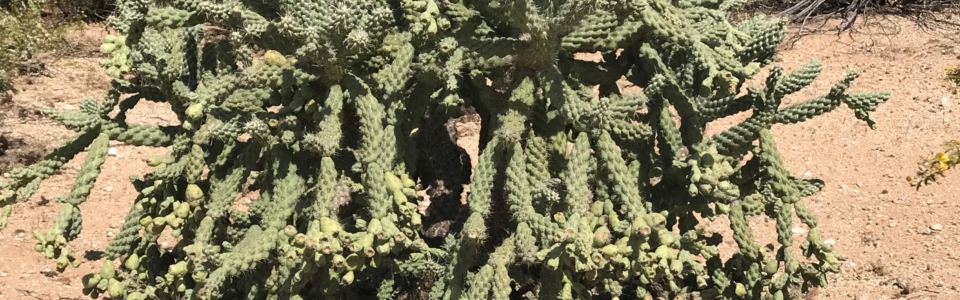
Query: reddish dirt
x=899, y=241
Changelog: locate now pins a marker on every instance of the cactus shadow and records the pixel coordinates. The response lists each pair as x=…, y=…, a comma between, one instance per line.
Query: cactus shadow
x=92, y=255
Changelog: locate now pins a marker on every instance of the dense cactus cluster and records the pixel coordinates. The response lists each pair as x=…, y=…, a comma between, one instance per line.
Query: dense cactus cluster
x=333, y=114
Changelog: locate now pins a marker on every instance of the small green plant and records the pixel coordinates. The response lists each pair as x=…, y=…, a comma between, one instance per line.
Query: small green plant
x=953, y=77
x=24, y=34
x=936, y=165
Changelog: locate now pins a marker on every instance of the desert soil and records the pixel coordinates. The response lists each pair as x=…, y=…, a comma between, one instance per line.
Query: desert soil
x=900, y=242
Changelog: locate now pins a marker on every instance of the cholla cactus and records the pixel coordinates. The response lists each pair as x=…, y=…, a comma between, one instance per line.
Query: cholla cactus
x=328, y=108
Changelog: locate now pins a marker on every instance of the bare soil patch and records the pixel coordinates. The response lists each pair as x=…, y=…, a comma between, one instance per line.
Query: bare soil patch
x=900, y=242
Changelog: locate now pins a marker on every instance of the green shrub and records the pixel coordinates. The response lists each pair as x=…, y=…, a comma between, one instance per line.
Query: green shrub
x=333, y=114
x=85, y=10
x=25, y=34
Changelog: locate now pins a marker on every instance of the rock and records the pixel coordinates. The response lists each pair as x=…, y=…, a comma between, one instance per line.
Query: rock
x=945, y=101
x=112, y=151
x=20, y=236
x=797, y=230
x=936, y=227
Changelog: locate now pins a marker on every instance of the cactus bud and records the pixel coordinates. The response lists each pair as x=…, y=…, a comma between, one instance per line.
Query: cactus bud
x=178, y=269
x=601, y=236
x=610, y=250
x=375, y=228
x=740, y=290
x=90, y=280
x=289, y=231
x=115, y=288
x=107, y=48
x=399, y=198
x=194, y=193
x=132, y=262
x=154, y=161
x=195, y=111
x=330, y=226
x=182, y=211
x=407, y=182
x=393, y=182
x=666, y=237
x=107, y=271
x=656, y=221
x=274, y=58
x=640, y=228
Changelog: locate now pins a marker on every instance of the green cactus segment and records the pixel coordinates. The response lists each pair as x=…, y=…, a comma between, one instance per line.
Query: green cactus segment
x=326, y=141
x=128, y=235
x=171, y=18
x=577, y=183
x=783, y=196
x=326, y=185
x=53, y=244
x=624, y=185
x=372, y=116
x=305, y=162
x=225, y=185
x=22, y=183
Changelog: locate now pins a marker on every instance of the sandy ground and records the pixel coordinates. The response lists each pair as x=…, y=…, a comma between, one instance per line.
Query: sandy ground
x=899, y=241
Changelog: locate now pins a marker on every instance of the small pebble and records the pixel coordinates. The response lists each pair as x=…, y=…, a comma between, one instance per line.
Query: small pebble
x=798, y=230
x=19, y=236
x=112, y=151
x=936, y=227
